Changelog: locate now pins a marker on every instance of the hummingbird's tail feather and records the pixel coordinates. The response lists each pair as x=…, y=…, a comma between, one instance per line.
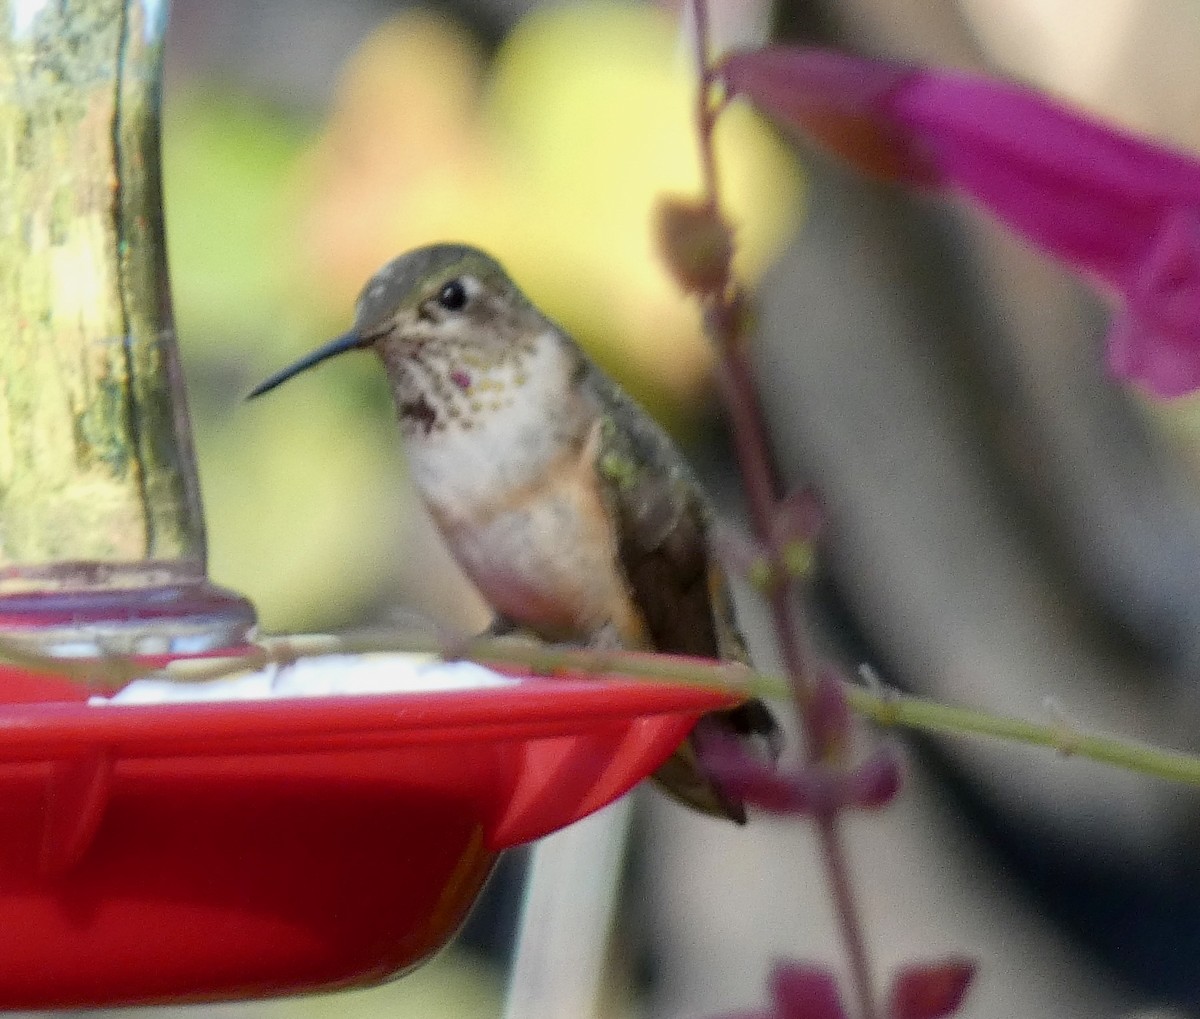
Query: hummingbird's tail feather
x=684, y=776
x=682, y=779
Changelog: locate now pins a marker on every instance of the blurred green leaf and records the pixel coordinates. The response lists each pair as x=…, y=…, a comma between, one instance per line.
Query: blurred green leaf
x=298, y=518
x=227, y=161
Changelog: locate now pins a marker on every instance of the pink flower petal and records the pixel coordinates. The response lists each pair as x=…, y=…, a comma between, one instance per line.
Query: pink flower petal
x=1120, y=210
x=758, y=783
x=1135, y=350
x=875, y=782
x=930, y=990
x=814, y=789
x=1153, y=339
x=1090, y=194
x=804, y=991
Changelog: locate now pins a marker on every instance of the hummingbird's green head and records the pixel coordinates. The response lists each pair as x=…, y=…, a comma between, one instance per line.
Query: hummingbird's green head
x=450, y=302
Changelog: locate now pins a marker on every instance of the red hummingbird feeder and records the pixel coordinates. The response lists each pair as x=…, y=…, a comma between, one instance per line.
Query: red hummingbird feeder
x=185, y=852
x=177, y=852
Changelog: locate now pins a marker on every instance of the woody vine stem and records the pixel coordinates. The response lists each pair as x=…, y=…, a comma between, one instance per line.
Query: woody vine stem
x=724, y=312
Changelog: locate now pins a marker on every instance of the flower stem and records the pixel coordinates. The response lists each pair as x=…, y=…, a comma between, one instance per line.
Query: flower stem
x=724, y=322
x=705, y=111
x=883, y=706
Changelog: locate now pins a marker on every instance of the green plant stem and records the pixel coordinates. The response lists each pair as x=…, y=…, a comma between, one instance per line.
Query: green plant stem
x=901, y=711
x=881, y=705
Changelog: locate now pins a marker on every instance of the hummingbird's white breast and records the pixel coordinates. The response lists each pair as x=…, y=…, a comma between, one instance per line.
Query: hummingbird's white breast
x=507, y=469
x=485, y=429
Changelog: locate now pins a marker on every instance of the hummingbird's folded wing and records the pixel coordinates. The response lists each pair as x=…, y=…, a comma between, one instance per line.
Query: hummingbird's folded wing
x=664, y=527
x=661, y=521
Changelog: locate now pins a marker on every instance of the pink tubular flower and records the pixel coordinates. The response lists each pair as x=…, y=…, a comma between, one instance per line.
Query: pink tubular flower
x=1118, y=209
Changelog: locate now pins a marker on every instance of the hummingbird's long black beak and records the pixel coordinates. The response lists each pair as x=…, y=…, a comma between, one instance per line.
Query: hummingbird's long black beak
x=349, y=341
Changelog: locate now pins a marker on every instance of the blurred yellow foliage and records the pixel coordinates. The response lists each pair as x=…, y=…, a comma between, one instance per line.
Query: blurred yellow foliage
x=553, y=163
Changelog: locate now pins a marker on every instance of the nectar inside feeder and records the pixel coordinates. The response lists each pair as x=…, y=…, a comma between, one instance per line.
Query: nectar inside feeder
x=271, y=835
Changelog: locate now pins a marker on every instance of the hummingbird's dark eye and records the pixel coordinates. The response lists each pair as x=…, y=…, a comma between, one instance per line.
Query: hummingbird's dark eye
x=453, y=296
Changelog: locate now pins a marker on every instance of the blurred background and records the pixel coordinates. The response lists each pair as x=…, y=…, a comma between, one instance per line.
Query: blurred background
x=1005, y=526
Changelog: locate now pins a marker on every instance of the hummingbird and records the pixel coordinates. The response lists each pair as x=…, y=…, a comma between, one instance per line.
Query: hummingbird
x=566, y=505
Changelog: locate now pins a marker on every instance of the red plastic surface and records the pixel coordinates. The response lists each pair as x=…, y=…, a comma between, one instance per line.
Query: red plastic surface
x=203, y=851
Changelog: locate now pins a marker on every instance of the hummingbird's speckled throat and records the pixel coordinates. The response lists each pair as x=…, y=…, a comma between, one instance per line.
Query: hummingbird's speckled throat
x=564, y=503
x=442, y=383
